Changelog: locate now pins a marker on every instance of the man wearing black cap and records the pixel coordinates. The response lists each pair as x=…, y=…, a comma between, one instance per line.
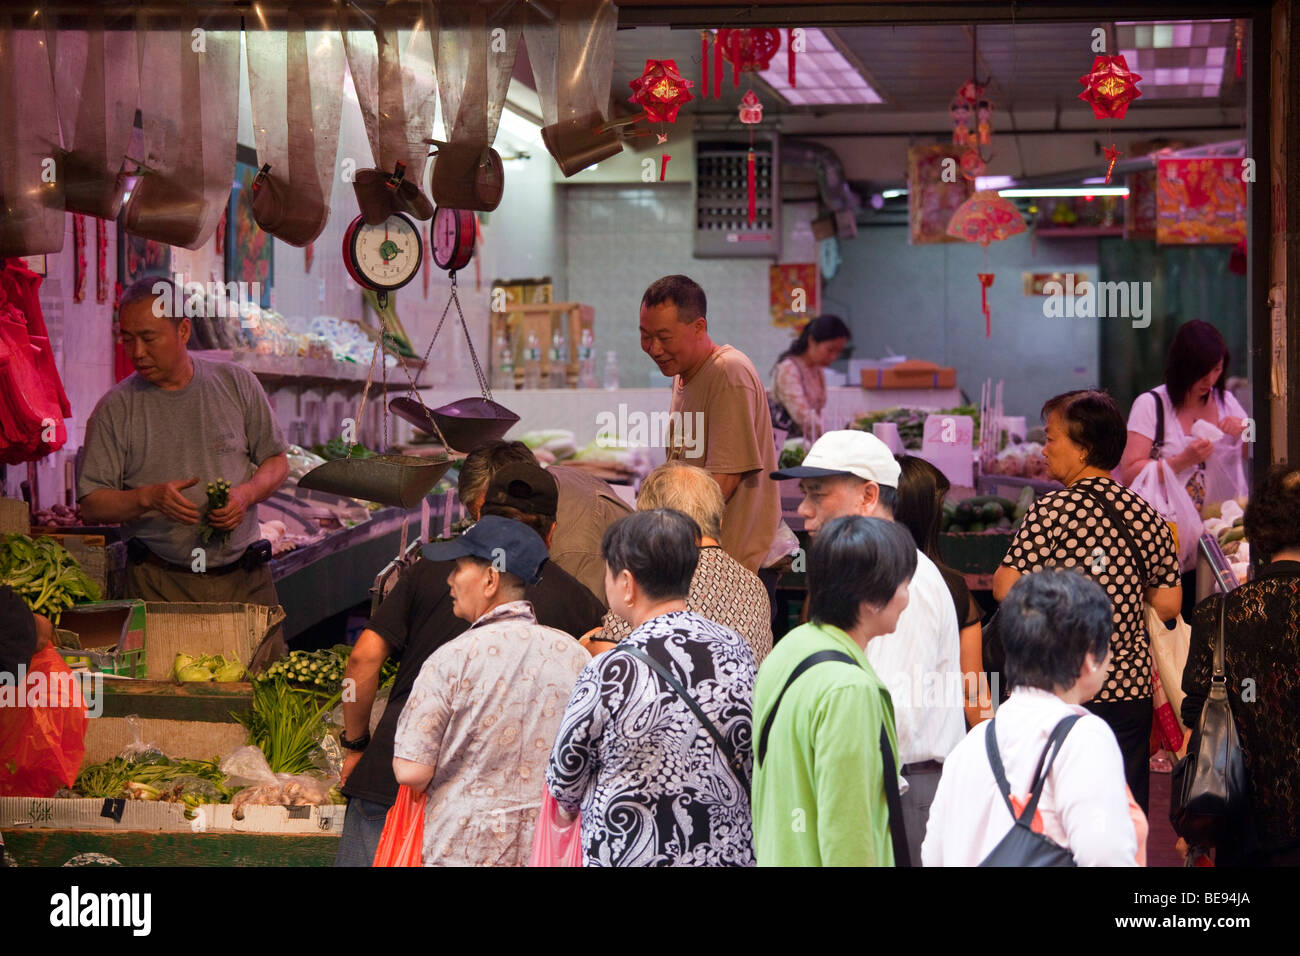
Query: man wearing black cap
x=474, y=731
x=416, y=619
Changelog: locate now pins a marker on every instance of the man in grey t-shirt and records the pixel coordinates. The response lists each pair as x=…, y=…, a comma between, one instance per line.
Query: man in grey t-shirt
x=158, y=438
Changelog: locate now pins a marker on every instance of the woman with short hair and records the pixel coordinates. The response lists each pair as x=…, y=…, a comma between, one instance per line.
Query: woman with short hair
x=1261, y=645
x=1101, y=528
x=657, y=784
x=1056, y=627
x=722, y=589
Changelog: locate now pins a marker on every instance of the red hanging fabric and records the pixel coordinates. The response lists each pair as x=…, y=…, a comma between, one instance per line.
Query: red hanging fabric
x=789, y=57
x=33, y=404
x=717, y=68
x=986, y=280
x=704, y=61
x=752, y=186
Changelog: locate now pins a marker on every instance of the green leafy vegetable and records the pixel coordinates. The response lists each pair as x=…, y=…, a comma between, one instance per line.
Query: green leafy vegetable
x=44, y=575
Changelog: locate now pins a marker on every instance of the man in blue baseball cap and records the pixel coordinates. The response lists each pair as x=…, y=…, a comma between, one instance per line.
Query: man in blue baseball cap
x=476, y=730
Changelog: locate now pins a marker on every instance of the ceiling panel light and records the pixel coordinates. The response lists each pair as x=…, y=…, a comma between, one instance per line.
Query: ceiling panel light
x=822, y=74
x=1176, y=58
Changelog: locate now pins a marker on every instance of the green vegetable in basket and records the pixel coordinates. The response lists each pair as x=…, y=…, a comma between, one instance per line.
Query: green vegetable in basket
x=44, y=575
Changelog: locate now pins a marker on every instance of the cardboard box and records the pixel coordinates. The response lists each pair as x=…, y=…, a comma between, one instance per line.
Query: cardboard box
x=913, y=373
x=112, y=633
x=98, y=813
x=195, y=629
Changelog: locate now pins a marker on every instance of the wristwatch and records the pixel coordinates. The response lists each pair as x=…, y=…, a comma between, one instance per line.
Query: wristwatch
x=359, y=744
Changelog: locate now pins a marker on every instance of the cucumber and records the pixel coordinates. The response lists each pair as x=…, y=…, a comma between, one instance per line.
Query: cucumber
x=991, y=512
x=965, y=512
x=1007, y=504
x=1023, y=503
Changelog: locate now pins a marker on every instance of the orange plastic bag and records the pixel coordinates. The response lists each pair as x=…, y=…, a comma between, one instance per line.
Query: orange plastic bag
x=556, y=842
x=43, y=737
x=402, y=842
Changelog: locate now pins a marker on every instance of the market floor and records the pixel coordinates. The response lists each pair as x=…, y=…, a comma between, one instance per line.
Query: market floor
x=1161, y=839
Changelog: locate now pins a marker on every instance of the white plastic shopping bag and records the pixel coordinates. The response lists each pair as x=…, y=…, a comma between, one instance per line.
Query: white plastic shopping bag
x=1161, y=489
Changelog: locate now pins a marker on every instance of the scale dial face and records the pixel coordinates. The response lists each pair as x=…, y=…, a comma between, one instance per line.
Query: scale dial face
x=383, y=257
x=453, y=237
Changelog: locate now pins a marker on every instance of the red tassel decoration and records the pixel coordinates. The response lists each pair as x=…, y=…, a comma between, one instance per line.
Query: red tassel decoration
x=308, y=256
x=789, y=57
x=752, y=185
x=101, y=260
x=79, y=258
x=717, y=68
x=663, y=165
x=986, y=280
x=735, y=57
x=1239, y=31
x=704, y=59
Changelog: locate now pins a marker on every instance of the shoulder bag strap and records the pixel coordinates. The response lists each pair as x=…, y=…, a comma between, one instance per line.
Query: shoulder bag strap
x=1054, y=743
x=1158, y=442
x=1220, y=665
x=995, y=761
x=732, y=758
x=811, y=660
x=897, y=825
x=1118, y=520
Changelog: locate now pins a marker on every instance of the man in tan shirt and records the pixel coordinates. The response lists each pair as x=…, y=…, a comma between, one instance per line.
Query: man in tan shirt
x=720, y=420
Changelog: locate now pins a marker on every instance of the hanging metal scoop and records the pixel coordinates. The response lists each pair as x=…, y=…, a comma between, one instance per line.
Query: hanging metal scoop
x=463, y=424
x=399, y=481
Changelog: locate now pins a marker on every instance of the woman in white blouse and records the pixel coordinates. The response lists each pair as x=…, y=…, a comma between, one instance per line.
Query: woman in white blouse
x=1055, y=627
x=1203, y=423
x=799, y=378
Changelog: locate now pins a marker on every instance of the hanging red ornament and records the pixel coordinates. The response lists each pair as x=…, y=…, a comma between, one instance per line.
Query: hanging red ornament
x=704, y=61
x=79, y=258
x=1238, y=32
x=661, y=138
x=959, y=110
x=308, y=256
x=748, y=51
x=986, y=280
x=789, y=56
x=101, y=261
x=1110, y=87
x=984, y=218
x=660, y=90
x=751, y=108
x=1112, y=154
x=971, y=92
x=752, y=186
x=972, y=165
x=717, y=68
x=984, y=120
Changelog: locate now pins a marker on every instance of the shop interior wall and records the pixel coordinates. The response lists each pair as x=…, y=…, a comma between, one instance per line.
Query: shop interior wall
x=924, y=302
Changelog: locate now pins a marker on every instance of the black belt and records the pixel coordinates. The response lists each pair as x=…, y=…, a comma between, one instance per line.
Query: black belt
x=257, y=554
x=925, y=766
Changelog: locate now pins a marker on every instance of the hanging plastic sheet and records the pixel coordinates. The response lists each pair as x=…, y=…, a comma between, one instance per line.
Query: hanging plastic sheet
x=31, y=193
x=97, y=86
x=295, y=79
x=392, y=74
x=189, y=96
x=475, y=51
x=571, y=48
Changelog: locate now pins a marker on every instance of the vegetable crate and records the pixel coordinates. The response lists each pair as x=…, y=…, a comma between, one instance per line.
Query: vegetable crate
x=111, y=634
x=975, y=553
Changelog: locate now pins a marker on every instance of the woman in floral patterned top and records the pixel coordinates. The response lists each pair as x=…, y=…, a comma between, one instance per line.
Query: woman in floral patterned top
x=799, y=379
x=654, y=786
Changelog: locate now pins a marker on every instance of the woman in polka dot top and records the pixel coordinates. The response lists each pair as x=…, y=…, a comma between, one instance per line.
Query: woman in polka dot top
x=1079, y=527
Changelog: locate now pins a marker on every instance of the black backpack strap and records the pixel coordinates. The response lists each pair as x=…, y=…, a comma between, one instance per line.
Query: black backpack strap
x=1054, y=742
x=732, y=758
x=810, y=661
x=897, y=826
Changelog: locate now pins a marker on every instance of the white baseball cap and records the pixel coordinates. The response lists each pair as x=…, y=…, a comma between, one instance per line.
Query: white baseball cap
x=847, y=452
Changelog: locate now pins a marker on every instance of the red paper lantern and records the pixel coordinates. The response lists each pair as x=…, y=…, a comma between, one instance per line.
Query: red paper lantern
x=660, y=90
x=751, y=108
x=1110, y=87
x=985, y=217
x=748, y=51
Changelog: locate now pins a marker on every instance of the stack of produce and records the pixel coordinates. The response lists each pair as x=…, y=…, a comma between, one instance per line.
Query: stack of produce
x=985, y=513
x=58, y=516
x=209, y=667
x=1224, y=521
x=44, y=575
x=1023, y=460
x=152, y=776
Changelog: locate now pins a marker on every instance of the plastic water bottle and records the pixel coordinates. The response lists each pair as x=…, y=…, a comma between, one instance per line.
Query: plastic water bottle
x=559, y=360
x=532, y=362
x=505, y=378
x=611, y=370
x=587, y=360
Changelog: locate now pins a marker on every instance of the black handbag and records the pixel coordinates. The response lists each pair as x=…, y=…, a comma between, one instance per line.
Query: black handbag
x=1209, y=792
x=1022, y=846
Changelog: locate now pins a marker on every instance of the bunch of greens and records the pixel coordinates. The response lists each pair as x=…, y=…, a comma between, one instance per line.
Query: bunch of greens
x=338, y=448
x=155, y=777
x=218, y=497
x=286, y=723
x=792, y=453
x=209, y=667
x=44, y=575
x=320, y=671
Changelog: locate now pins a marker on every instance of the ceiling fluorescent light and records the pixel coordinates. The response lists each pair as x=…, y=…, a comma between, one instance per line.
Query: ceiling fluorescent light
x=823, y=76
x=1063, y=191
x=893, y=193
x=985, y=183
